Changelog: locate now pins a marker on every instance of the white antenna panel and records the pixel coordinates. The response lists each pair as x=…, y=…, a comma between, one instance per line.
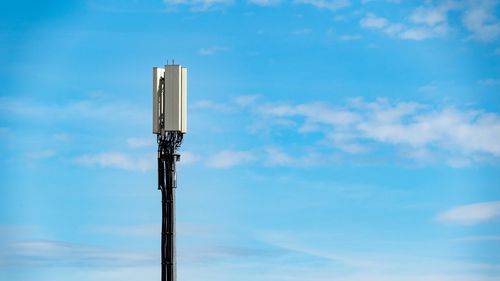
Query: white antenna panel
x=169, y=99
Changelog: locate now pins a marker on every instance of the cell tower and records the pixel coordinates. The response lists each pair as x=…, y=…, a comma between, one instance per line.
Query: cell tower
x=169, y=125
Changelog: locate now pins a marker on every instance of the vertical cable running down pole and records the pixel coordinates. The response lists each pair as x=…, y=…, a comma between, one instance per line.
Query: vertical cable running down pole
x=167, y=156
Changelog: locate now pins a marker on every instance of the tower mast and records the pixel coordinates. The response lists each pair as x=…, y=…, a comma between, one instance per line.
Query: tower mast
x=169, y=124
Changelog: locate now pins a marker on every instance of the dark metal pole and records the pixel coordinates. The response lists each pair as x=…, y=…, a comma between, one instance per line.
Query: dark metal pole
x=167, y=183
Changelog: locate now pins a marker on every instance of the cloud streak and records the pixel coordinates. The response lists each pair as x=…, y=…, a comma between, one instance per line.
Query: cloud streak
x=432, y=21
x=331, y=5
x=110, y=111
x=429, y=25
x=230, y=158
x=117, y=160
x=409, y=124
x=199, y=5
x=417, y=131
x=471, y=214
x=35, y=253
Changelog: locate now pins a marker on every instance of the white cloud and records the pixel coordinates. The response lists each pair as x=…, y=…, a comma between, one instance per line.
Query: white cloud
x=301, y=31
x=41, y=154
x=110, y=111
x=200, y=5
x=265, y=2
x=63, y=137
x=133, y=230
x=430, y=16
x=458, y=162
x=431, y=21
x=117, y=160
x=418, y=32
x=428, y=134
x=394, y=29
x=245, y=100
x=233, y=105
x=16, y=230
x=389, y=1
x=423, y=33
x=401, y=124
x=481, y=21
x=56, y=253
x=315, y=112
x=278, y=157
x=332, y=5
x=210, y=51
x=427, y=88
x=350, y=37
x=471, y=214
x=208, y=104
x=373, y=21
x=479, y=238
x=275, y=156
x=140, y=142
x=230, y=158
x=489, y=82
x=188, y=158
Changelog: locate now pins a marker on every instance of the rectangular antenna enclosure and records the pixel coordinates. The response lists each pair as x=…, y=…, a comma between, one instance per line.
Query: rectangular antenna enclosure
x=175, y=117
x=158, y=75
x=169, y=99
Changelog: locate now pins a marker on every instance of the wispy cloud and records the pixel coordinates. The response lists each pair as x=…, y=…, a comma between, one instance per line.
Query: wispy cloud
x=402, y=31
x=481, y=21
x=210, y=51
x=349, y=37
x=410, y=124
x=432, y=21
x=117, y=160
x=479, y=238
x=389, y=1
x=140, y=142
x=133, y=230
x=16, y=230
x=245, y=100
x=427, y=88
x=489, y=82
x=332, y=5
x=301, y=31
x=373, y=21
x=424, y=133
x=188, y=158
x=430, y=16
x=41, y=154
x=199, y=5
x=208, y=104
x=230, y=158
x=109, y=111
x=275, y=156
x=232, y=106
x=370, y=265
x=471, y=214
x=57, y=253
x=265, y=2
x=63, y=137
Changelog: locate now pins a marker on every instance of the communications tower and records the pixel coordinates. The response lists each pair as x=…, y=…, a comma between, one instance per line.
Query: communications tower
x=169, y=125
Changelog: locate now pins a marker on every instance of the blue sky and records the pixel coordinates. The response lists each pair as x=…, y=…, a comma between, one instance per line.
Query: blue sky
x=328, y=140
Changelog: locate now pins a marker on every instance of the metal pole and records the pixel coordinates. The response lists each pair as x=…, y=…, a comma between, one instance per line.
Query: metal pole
x=167, y=183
